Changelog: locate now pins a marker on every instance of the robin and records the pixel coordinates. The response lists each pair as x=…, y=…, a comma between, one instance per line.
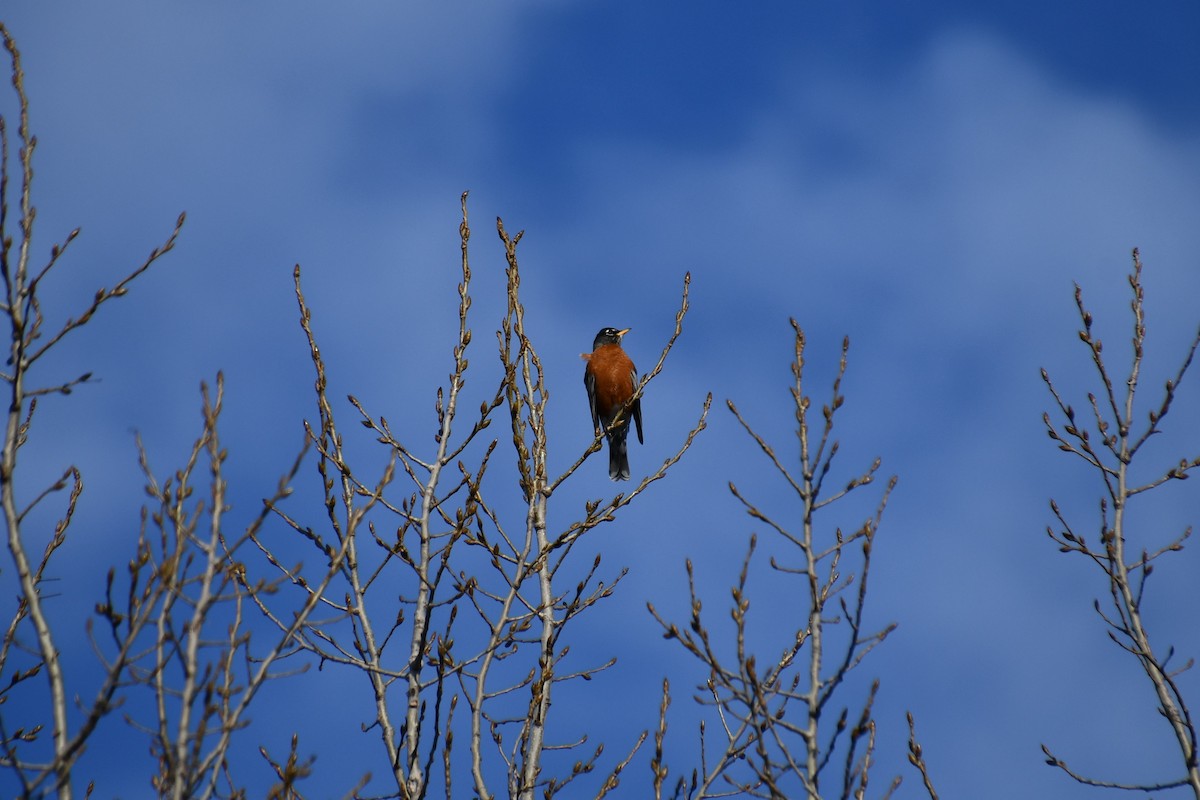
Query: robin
x=610, y=378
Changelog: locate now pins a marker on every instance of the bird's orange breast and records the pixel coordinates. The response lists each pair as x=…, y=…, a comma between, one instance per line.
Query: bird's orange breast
x=613, y=373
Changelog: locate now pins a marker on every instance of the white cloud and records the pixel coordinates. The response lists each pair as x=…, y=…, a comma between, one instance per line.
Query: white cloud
x=937, y=213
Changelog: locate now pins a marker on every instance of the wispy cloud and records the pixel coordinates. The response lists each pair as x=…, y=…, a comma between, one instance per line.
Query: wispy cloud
x=937, y=210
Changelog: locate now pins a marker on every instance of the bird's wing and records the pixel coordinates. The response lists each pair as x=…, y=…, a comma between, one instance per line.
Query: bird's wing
x=637, y=406
x=589, y=380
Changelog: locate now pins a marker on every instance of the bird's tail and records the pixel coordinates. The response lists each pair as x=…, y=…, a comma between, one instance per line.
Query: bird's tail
x=618, y=458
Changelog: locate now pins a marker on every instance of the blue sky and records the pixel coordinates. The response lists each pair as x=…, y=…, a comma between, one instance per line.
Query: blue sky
x=928, y=178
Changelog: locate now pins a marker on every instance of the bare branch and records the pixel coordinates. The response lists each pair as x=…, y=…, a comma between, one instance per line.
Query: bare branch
x=1126, y=579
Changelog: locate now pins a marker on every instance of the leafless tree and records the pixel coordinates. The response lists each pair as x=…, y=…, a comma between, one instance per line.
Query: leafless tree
x=172, y=622
x=778, y=729
x=490, y=592
x=466, y=562
x=452, y=579
x=199, y=658
x=1108, y=437
x=30, y=648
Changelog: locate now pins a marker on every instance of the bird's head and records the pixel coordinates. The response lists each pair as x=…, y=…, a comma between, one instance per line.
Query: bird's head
x=609, y=336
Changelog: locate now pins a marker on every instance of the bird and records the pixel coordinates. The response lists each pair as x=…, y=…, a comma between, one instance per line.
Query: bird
x=610, y=378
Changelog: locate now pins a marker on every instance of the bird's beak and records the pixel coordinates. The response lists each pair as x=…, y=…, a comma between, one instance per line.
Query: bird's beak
x=622, y=333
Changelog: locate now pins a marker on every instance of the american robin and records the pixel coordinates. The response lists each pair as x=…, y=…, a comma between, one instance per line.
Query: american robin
x=610, y=378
